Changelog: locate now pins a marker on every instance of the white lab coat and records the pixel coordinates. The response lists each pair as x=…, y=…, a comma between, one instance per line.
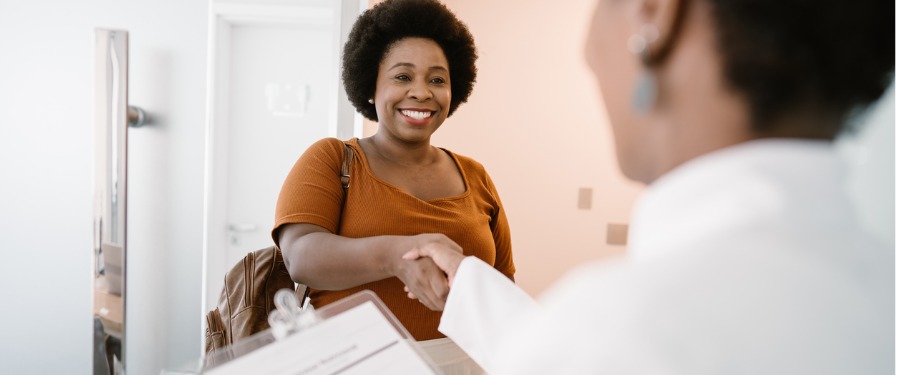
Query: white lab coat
x=747, y=260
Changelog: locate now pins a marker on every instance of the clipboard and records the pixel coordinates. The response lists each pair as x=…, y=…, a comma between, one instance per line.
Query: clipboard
x=356, y=335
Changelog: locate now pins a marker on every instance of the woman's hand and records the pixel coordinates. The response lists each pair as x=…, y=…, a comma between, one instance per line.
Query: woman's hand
x=447, y=258
x=424, y=279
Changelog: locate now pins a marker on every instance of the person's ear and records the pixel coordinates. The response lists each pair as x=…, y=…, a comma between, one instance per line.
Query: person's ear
x=659, y=23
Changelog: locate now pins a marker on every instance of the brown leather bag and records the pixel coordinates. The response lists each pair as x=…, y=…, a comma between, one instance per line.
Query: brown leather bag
x=247, y=298
x=250, y=285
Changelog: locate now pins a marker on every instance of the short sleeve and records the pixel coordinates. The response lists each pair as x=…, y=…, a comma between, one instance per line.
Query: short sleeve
x=312, y=191
x=502, y=237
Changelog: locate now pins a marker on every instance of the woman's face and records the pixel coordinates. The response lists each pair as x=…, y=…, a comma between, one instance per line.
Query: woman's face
x=616, y=70
x=412, y=91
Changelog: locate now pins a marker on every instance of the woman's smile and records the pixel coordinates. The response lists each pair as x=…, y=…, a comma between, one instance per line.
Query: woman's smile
x=417, y=116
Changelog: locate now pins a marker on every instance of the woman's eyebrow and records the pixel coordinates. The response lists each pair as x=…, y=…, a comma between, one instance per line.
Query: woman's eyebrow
x=411, y=65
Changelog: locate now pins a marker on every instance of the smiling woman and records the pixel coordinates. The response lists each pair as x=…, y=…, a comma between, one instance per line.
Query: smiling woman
x=407, y=65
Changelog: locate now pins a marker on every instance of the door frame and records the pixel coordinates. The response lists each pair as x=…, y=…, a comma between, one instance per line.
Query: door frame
x=346, y=123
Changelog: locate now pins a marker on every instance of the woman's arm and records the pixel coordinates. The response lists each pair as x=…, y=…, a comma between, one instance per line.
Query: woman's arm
x=322, y=260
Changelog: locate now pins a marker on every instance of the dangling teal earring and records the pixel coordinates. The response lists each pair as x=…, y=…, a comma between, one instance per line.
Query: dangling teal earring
x=645, y=90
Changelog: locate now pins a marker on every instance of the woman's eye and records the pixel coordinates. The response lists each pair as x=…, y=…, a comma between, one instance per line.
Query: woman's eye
x=437, y=80
x=402, y=77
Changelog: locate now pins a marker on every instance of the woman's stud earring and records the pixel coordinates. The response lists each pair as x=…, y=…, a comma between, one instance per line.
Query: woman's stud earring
x=371, y=101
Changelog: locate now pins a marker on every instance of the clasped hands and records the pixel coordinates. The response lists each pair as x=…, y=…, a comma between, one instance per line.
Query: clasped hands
x=427, y=269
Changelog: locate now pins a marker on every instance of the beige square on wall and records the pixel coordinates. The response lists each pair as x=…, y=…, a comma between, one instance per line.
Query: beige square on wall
x=584, y=198
x=616, y=234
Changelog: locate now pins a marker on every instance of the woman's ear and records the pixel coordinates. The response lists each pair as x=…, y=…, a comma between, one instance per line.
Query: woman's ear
x=659, y=22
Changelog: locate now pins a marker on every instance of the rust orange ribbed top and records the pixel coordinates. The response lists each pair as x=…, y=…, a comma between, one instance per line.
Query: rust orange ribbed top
x=475, y=220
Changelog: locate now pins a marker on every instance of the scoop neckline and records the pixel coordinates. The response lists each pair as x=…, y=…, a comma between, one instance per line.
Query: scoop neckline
x=368, y=170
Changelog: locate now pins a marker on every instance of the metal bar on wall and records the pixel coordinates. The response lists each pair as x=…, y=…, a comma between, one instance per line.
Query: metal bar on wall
x=110, y=189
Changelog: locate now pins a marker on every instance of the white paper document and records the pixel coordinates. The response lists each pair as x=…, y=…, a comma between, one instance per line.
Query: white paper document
x=356, y=341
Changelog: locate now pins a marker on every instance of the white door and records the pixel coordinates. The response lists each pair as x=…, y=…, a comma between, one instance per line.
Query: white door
x=274, y=90
x=278, y=106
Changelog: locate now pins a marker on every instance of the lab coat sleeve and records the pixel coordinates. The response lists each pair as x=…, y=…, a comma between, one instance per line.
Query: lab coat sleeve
x=482, y=305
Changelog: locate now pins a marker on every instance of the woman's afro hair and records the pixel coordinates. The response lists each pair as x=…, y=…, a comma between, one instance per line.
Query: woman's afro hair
x=378, y=28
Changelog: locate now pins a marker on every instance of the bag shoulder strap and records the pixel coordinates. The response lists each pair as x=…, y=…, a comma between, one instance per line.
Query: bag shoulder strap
x=345, y=183
x=345, y=167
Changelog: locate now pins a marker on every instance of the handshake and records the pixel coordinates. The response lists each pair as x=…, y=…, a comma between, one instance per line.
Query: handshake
x=428, y=268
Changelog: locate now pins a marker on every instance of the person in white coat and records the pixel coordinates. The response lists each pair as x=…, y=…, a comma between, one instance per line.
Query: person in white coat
x=745, y=253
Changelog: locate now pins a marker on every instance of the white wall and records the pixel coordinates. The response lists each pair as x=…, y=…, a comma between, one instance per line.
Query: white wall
x=870, y=154
x=46, y=109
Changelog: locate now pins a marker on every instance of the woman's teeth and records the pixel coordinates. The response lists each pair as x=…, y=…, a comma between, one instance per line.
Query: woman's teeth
x=416, y=114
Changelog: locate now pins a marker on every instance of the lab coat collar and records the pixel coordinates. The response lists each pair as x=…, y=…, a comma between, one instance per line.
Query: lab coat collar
x=771, y=179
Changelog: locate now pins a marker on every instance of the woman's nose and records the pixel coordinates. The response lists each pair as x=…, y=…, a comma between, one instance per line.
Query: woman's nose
x=420, y=92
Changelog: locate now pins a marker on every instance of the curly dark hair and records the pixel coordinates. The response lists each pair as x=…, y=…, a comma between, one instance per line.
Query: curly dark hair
x=378, y=28
x=806, y=54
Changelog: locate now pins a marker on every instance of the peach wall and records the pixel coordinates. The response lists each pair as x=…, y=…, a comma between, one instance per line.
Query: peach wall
x=536, y=122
